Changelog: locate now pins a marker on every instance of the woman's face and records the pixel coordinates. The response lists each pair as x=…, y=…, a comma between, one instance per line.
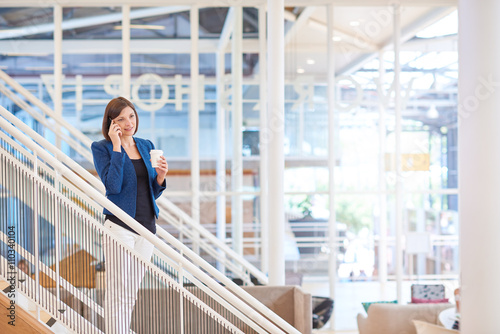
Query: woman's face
x=127, y=121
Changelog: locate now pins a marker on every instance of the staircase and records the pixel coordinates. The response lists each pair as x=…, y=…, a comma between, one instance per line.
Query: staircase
x=214, y=250
x=50, y=216
x=18, y=319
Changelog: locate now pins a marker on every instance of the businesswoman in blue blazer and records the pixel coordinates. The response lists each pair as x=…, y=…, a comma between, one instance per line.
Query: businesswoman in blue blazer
x=123, y=164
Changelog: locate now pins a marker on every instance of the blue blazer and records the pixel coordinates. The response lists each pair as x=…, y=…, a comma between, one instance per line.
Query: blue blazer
x=117, y=172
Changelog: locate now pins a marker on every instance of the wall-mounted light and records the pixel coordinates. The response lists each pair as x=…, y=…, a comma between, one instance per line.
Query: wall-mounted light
x=120, y=65
x=153, y=65
x=42, y=68
x=142, y=26
x=432, y=113
x=100, y=64
x=24, y=54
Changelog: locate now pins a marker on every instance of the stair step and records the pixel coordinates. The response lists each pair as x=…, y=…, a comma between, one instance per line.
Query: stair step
x=18, y=319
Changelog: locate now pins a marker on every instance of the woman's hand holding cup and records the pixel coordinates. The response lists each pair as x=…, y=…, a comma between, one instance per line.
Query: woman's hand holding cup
x=160, y=164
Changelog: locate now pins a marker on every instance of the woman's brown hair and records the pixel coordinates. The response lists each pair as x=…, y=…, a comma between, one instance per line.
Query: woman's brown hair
x=113, y=109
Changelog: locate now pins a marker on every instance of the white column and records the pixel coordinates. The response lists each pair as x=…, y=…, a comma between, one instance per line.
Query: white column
x=421, y=258
x=58, y=72
x=263, y=143
x=300, y=135
x=479, y=164
x=275, y=132
x=332, y=134
x=126, y=63
x=237, y=124
x=382, y=245
x=221, y=152
x=399, y=179
x=194, y=122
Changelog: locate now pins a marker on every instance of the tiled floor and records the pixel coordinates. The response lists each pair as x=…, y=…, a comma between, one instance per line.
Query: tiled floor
x=349, y=296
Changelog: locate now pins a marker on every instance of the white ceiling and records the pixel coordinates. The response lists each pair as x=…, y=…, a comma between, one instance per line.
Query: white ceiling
x=306, y=36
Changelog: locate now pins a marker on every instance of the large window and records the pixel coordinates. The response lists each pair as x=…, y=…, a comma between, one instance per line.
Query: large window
x=366, y=135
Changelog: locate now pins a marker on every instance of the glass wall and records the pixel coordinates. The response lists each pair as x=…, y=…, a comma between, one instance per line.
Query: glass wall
x=365, y=139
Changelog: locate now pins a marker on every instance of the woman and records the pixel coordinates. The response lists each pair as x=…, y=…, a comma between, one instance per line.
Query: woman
x=123, y=164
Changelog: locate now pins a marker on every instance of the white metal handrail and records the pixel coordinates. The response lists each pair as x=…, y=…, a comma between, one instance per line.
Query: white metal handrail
x=42, y=119
x=25, y=171
x=186, y=225
x=50, y=273
x=235, y=261
x=182, y=216
x=69, y=318
x=86, y=142
x=230, y=289
x=75, y=320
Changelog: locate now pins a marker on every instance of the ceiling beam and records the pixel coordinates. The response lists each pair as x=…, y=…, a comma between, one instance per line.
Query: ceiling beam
x=143, y=46
x=353, y=40
x=227, y=30
x=408, y=32
x=300, y=21
x=221, y=3
x=437, y=44
x=176, y=46
x=250, y=20
x=88, y=21
x=289, y=16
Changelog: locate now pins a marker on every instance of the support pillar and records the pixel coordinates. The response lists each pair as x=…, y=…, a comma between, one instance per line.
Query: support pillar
x=275, y=131
x=479, y=164
x=237, y=121
x=332, y=135
x=194, y=121
x=126, y=58
x=263, y=143
x=399, y=172
x=221, y=153
x=58, y=62
x=382, y=245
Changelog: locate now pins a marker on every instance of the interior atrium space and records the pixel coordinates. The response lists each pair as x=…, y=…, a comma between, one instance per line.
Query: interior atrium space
x=369, y=200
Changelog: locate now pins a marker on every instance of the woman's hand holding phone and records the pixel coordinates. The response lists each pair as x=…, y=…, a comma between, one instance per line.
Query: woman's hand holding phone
x=115, y=133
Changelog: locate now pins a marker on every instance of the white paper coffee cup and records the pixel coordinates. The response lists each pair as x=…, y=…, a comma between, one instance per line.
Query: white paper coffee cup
x=155, y=156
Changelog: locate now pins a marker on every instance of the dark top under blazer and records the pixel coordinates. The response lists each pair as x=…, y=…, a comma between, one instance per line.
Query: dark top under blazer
x=117, y=172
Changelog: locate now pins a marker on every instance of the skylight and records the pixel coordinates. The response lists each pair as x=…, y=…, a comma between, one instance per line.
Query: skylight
x=444, y=27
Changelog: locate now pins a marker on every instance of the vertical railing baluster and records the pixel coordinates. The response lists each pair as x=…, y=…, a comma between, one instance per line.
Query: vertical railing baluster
x=57, y=233
x=59, y=211
x=36, y=231
x=181, y=297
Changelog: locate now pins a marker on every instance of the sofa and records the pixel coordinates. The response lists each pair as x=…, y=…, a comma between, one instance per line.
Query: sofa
x=290, y=302
x=398, y=318
x=153, y=307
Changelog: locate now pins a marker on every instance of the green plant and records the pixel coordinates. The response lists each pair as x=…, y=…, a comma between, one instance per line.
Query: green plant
x=355, y=213
x=305, y=206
